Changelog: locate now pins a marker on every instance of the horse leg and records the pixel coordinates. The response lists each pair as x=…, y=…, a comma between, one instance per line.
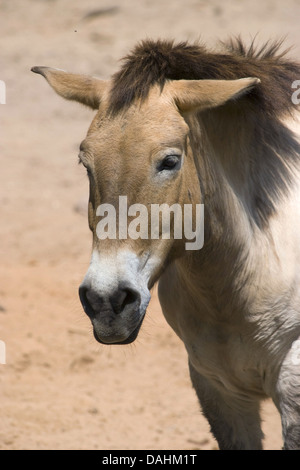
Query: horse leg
x=235, y=423
x=287, y=397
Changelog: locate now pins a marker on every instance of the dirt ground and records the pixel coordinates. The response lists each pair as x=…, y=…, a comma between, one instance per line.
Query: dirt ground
x=59, y=389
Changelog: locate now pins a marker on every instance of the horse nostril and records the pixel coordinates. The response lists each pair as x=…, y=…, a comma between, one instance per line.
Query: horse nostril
x=124, y=297
x=83, y=291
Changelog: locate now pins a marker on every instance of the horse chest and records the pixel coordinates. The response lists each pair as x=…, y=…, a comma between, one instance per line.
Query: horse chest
x=225, y=359
x=220, y=351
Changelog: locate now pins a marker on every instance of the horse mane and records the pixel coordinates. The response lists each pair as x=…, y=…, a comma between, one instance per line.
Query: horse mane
x=269, y=158
x=155, y=62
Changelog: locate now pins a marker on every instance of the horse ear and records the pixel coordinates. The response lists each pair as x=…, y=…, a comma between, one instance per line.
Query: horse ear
x=197, y=95
x=84, y=89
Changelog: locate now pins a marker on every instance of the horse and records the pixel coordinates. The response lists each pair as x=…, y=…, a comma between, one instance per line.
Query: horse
x=182, y=124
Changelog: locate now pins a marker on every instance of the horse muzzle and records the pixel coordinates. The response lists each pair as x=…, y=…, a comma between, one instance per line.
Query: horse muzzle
x=116, y=316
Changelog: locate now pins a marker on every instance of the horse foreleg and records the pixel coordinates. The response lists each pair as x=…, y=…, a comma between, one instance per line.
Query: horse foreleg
x=287, y=397
x=235, y=423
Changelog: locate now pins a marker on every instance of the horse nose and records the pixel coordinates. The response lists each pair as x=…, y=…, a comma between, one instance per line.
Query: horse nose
x=123, y=300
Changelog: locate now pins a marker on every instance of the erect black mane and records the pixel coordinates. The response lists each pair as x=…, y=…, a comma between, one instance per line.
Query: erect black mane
x=154, y=62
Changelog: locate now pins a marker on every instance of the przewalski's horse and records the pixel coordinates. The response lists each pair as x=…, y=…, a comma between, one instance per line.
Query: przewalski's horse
x=181, y=125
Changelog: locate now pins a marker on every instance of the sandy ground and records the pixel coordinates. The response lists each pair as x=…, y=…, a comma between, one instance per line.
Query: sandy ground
x=59, y=389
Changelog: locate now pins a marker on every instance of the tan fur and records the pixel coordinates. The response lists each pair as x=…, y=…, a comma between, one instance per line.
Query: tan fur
x=197, y=95
x=72, y=86
x=235, y=303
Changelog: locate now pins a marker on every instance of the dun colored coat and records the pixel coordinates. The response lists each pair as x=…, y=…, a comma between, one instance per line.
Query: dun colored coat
x=179, y=124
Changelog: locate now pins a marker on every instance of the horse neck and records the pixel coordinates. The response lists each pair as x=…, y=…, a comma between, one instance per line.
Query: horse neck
x=222, y=153
x=246, y=168
x=252, y=157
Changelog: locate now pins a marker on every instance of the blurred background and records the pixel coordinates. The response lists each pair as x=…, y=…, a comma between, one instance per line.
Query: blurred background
x=59, y=389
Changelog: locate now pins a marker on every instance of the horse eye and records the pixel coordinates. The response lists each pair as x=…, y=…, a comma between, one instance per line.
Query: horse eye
x=84, y=163
x=170, y=162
